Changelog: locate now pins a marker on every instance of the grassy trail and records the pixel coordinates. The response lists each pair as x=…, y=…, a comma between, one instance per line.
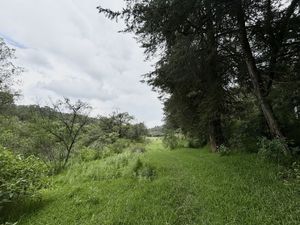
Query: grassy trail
x=190, y=187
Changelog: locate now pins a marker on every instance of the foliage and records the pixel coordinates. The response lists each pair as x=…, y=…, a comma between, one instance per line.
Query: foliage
x=65, y=122
x=245, y=125
x=29, y=137
x=195, y=142
x=19, y=176
x=143, y=170
x=8, y=74
x=170, y=140
x=137, y=132
x=40, y=131
x=274, y=150
x=213, y=55
x=120, y=145
x=223, y=150
x=87, y=154
x=113, y=166
x=156, y=131
x=291, y=173
x=115, y=132
x=190, y=187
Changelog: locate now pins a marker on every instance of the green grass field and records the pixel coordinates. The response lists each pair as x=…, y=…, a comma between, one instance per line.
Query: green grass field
x=190, y=186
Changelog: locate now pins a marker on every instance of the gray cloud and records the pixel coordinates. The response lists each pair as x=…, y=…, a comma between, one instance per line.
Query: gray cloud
x=76, y=88
x=73, y=51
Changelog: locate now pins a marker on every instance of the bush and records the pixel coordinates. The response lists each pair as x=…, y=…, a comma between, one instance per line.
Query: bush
x=195, y=143
x=88, y=154
x=242, y=134
x=291, y=173
x=19, y=177
x=170, y=140
x=119, y=146
x=143, y=170
x=274, y=150
x=223, y=150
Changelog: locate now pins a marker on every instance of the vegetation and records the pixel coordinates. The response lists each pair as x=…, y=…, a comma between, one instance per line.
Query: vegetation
x=19, y=177
x=189, y=186
x=156, y=131
x=65, y=122
x=222, y=64
x=228, y=74
x=8, y=75
x=40, y=141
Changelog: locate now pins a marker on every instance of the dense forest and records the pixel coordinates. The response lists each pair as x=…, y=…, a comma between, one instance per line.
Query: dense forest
x=228, y=75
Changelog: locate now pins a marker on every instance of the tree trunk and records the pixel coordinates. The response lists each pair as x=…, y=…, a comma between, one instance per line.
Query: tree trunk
x=215, y=89
x=216, y=137
x=67, y=157
x=255, y=75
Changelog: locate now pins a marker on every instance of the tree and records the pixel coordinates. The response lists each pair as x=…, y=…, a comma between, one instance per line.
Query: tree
x=191, y=69
x=8, y=73
x=121, y=123
x=275, y=41
x=196, y=95
x=137, y=131
x=65, y=121
x=244, y=46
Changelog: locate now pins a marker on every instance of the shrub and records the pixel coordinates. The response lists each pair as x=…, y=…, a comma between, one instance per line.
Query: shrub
x=195, y=143
x=291, y=173
x=88, y=154
x=223, y=150
x=274, y=150
x=170, y=140
x=98, y=139
x=19, y=177
x=243, y=133
x=106, y=152
x=143, y=170
x=119, y=146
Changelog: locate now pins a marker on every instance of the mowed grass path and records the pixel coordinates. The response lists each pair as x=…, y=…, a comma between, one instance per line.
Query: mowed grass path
x=191, y=186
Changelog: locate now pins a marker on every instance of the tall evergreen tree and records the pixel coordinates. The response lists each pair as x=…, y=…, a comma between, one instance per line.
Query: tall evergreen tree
x=240, y=45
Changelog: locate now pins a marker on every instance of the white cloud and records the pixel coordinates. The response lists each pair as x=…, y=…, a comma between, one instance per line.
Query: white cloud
x=68, y=49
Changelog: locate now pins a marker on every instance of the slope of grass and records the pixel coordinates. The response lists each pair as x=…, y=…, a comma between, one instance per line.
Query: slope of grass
x=190, y=186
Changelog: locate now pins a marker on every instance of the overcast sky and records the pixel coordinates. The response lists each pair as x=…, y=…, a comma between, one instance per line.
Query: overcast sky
x=68, y=49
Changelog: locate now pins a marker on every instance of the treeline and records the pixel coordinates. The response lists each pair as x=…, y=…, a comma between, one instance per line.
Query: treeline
x=228, y=71
x=55, y=133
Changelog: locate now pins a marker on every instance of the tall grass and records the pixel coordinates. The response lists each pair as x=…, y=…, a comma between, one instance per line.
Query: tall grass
x=190, y=186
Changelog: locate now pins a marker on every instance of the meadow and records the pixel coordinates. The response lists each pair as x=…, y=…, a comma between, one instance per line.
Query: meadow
x=181, y=186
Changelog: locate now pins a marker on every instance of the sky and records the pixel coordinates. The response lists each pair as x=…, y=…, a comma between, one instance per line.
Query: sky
x=68, y=49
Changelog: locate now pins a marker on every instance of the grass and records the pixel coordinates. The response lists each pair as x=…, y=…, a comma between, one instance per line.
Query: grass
x=190, y=186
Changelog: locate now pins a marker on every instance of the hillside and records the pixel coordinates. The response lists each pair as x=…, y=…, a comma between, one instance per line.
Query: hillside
x=184, y=186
